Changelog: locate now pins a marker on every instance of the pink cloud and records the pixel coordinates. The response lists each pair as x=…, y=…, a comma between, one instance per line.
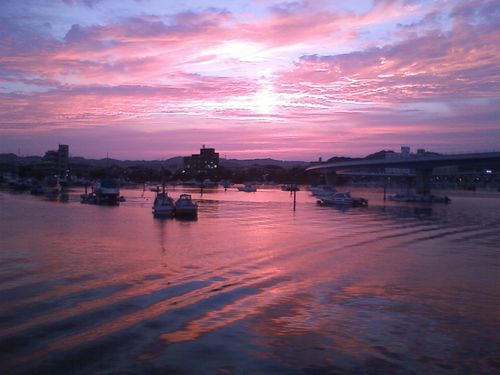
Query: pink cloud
x=461, y=63
x=223, y=72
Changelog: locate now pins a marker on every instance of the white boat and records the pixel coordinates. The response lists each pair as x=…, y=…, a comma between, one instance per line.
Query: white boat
x=248, y=188
x=184, y=206
x=51, y=185
x=163, y=205
x=342, y=199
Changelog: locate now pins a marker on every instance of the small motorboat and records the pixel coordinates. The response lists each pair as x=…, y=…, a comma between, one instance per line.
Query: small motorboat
x=248, y=188
x=184, y=206
x=163, y=205
x=107, y=192
x=342, y=199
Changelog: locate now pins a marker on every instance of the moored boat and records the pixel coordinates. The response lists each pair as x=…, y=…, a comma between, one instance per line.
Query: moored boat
x=247, y=188
x=107, y=192
x=184, y=206
x=342, y=199
x=163, y=205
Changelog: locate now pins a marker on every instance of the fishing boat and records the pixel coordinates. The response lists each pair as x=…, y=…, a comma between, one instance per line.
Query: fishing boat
x=184, y=206
x=163, y=205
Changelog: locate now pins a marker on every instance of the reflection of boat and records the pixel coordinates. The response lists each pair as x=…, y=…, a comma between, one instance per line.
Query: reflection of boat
x=419, y=198
x=342, y=199
x=184, y=206
x=290, y=187
x=320, y=190
x=248, y=188
x=163, y=204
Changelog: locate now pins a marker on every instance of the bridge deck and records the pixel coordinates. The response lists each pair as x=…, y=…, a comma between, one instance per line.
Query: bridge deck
x=415, y=162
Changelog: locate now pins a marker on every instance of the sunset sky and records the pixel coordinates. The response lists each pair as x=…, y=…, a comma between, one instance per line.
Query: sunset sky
x=153, y=79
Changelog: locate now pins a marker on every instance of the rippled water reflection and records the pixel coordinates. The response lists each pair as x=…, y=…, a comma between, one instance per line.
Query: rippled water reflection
x=252, y=286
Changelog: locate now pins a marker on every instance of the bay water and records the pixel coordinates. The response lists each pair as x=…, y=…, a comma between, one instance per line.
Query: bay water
x=252, y=286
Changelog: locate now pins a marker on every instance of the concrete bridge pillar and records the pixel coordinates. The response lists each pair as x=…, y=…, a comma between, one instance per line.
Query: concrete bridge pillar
x=423, y=177
x=331, y=178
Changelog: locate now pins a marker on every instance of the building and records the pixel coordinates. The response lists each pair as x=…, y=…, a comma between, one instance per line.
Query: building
x=206, y=160
x=57, y=162
x=63, y=161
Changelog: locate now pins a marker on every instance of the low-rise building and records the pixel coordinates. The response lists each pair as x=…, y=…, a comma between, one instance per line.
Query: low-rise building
x=206, y=160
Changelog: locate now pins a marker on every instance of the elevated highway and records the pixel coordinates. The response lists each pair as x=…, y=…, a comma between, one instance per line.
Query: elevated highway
x=423, y=165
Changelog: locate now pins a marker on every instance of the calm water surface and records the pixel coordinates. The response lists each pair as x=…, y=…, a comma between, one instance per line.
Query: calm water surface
x=250, y=287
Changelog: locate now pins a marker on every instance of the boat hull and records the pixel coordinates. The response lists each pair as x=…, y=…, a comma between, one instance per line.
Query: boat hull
x=186, y=211
x=163, y=205
x=184, y=206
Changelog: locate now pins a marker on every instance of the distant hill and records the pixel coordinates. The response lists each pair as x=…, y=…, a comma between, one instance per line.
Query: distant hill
x=379, y=154
x=339, y=159
x=20, y=160
x=235, y=163
x=176, y=163
x=172, y=163
x=383, y=153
